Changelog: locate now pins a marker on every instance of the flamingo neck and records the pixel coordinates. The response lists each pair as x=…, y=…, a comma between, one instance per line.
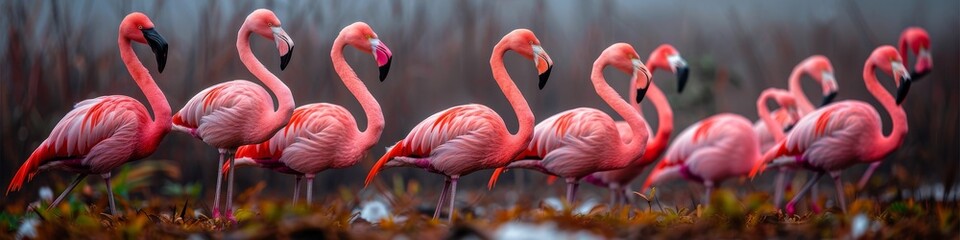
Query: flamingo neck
x=803, y=103
x=886, y=144
x=158, y=102
x=371, y=107
x=903, y=47
x=774, y=127
x=279, y=118
x=658, y=144
x=638, y=141
x=515, y=97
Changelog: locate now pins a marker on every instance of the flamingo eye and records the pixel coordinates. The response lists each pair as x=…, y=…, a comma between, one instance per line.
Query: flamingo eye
x=140, y=27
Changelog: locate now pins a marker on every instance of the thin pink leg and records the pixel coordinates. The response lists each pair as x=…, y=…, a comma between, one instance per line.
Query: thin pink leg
x=67, y=191
x=806, y=187
x=780, y=186
x=309, y=189
x=453, y=195
x=216, y=197
x=443, y=197
x=296, y=189
x=840, y=193
x=113, y=205
x=866, y=176
x=572, y=185
x=230, y=182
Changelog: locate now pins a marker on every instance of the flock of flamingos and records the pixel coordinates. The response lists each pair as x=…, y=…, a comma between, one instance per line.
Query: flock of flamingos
x=238, y=118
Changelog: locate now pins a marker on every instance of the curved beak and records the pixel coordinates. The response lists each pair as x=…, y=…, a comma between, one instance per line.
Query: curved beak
x=284, y=45
x=923, y=66
x=640, y=69
x=681, y=69
x=383, y=55
x=543, y=63
x=827, y=99
x=903, y=88
x=158, y=45
x=830, y=87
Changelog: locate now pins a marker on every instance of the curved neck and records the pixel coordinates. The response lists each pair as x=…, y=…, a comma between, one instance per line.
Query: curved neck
x=371, y=107
x=284, y=97
x=158, y=102
x=903, y=47
x=889, y=142
x=659, y=143
x=803, y=103
x=774, y=127
x=629, y=114
x=514, y=96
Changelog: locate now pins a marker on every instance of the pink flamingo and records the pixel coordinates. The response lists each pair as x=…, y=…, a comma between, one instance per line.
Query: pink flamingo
x=466, y=138
x=578, y=142
x=846, y=133
x=819, y=69
x=323, y=135
x=617, y=181
x=236, y=113
x=719, y=147
x=916, y=40
x=103, y=133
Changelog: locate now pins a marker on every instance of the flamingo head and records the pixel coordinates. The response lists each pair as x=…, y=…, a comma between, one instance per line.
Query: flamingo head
x=788, y=102
x=622, y=56
x=918, y=42
x=525, y=43
x=361, y=36
x=138, y=28
x=819, y=67
x=265, y=23
x=888, y=60
x=667, y=54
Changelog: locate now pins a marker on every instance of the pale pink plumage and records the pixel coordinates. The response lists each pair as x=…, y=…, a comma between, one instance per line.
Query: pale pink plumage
x=101, y=134
x=581, y=141
x=849, y=132
x=236, y=113
x=467, y=138
x=321, y=136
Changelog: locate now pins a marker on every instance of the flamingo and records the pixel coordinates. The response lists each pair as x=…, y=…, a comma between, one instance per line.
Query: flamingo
x=617, y=181
x=101, y=134
x=578, y=142
x=719, y=147
x=916, y=40
x=324, y=135
x=819, y=68
x=846, y=133
x=467, y=138
x=236, y=113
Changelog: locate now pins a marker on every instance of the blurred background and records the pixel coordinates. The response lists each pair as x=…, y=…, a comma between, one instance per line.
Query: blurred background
x=56, y=53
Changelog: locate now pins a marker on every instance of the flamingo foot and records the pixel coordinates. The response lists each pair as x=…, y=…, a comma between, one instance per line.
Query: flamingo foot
x=230, y=217
x=815, y=208
x=216, y=213
x=791, y=209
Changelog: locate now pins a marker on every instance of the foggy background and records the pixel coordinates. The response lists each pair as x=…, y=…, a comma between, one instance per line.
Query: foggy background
x=57, y=53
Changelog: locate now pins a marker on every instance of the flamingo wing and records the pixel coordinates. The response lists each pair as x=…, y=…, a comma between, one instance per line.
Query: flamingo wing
x=94, y=137
x=574, y=142
x=226, y=106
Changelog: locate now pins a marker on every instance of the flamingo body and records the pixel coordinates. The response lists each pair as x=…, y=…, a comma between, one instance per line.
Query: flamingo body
x=227, y=115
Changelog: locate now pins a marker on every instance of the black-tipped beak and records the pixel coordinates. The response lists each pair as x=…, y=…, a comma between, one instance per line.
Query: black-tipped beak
x=788, y=127
x=544, y=76
x=641, y=92
x=827, y=99
x=285, y=59
x=903, y=89
x=385, y=69
x=682, y=74
x=158, y=45
x=914, y=75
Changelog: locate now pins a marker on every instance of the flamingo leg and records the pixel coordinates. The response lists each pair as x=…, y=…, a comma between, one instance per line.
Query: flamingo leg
x=840, y=193
x=296, y=189
x=113, y=205
x=230, y=180
x=443, y=197
x=572, y=185
x=866, y=175
x=309, y=189
x=67, y=191
x=806, y=187
x=779, y=186
x=453, y=195
x=814, y=196
x=706, y=198
x=216, y=197
x=614, y=196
